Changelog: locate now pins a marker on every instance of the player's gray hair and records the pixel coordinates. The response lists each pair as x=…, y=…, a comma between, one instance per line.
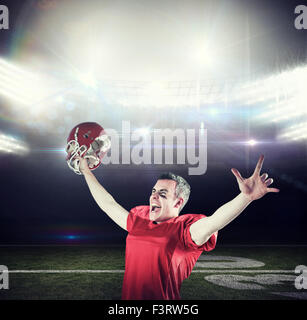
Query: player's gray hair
x=183, y=189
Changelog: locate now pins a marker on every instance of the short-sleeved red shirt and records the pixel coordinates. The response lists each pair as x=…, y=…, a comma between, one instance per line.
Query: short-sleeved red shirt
x=159, y=256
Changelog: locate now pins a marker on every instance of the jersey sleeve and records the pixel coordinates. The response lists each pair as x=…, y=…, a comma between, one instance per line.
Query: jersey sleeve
x=136, y=217
x=131, y=218
x=189, y=243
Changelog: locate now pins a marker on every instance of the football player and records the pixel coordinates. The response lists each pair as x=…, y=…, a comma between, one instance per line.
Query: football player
x=163, y=246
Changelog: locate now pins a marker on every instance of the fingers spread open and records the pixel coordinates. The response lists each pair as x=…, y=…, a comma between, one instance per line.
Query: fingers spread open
x=259, y=165
x=273, y=190
x=264, y=177
x=269, y=182
x=237, y=174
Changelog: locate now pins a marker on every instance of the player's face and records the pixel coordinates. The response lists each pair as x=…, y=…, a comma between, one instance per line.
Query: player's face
x=163, y=201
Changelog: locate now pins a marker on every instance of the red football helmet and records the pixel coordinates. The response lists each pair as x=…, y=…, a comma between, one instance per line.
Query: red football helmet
x=87, y=140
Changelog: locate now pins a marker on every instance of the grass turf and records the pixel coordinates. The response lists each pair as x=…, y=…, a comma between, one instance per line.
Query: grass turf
x=107, y=286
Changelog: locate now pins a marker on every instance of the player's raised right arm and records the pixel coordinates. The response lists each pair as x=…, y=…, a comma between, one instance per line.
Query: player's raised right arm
x=104, y=200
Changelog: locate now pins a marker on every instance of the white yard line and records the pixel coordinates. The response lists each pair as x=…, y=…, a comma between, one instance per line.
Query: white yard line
x=242, y=271
x=122, y=271
x=66, y=271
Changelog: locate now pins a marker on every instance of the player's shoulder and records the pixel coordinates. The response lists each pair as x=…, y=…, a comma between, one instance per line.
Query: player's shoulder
x=141, y=211
x=190, y=217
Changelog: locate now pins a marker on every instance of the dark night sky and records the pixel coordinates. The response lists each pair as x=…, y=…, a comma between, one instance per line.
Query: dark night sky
x=42, y=201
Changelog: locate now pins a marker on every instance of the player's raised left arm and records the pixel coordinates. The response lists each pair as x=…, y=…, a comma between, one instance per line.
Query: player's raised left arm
x=252, y=188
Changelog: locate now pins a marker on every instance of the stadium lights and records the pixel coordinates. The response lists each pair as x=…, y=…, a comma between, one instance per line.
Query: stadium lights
x=143, y=131
x=252, y=142
x=9, y=144
x=20, y=85
x=60, y=99
x=284, y=85
x=203, y=56
x=213, y=111
x=286, y=109
x=290, y=102
x=284, y=95
x=88, y=79
x=15, y=70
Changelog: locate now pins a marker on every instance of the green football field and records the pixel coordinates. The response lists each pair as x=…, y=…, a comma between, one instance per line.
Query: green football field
x=96, y=272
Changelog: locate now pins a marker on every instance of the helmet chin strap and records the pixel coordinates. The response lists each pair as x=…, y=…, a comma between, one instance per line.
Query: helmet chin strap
x=73, y=162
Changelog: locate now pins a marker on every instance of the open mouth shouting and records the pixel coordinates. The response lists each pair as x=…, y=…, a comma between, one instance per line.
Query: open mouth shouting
x=155, y=208
x=155, y=211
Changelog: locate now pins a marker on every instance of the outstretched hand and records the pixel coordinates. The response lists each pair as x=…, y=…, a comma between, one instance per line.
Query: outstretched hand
x=256, y=186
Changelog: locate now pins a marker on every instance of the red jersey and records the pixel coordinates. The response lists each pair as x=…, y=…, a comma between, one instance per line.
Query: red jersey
x=159, y=256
